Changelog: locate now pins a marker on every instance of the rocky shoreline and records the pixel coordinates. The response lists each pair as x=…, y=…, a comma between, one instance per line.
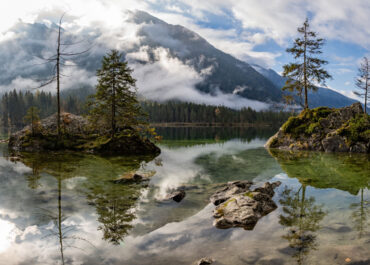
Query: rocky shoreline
x=325, y=129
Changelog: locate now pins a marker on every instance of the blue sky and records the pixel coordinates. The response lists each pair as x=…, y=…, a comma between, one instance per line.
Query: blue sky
x=257, y=31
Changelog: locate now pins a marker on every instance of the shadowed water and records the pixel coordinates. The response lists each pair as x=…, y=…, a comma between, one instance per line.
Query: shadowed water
x=67, y=209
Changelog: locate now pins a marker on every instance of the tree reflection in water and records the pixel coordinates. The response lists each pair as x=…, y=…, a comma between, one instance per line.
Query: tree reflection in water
x=303, y=218
x=114, y=205
x=114, y=202
x=359, y=214
x=65, y=234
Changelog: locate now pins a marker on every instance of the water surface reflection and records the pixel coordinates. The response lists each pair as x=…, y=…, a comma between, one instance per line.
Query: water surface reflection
x=67, y=209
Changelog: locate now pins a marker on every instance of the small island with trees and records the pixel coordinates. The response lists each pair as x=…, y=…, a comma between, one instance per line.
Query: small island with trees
x=321, y=129
x=115, y=123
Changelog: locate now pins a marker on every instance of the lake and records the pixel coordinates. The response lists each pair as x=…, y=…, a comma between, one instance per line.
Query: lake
x=68, y=208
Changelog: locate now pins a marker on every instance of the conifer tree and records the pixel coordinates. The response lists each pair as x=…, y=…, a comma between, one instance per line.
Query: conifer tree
x=306, y=72
x=33, y=118
x=115, y=104
x=363, y=80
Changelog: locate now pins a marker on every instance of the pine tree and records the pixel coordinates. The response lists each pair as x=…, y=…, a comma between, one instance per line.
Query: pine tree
x=115, y=104
x=33, y=118
x=363, y=80
x=307, y=72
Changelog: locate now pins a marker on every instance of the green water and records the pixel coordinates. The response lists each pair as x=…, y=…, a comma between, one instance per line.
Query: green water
x=67, y=209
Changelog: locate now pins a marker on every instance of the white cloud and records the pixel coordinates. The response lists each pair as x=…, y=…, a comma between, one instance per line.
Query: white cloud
x=168, y=78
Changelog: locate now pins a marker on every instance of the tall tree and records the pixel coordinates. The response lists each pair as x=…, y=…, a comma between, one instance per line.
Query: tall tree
x=363, y=80
x=58, y=60
x=306, y=72
x=115, y=104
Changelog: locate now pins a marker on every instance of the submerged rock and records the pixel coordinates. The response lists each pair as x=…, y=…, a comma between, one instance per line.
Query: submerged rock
x=177, y=195
x=77, y=136
x=243, y=208
x=204, y=261
x=129, y=178
x=325, y=129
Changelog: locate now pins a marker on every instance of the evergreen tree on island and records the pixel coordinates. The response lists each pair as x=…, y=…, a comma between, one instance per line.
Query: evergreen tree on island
x=306, y=72
x=115, y=105
x=363, y=80
x=33, y=118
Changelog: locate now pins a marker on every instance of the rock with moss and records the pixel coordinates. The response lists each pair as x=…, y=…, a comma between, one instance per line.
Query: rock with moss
x=77, y=135
x=325, y=129
x=244, y=208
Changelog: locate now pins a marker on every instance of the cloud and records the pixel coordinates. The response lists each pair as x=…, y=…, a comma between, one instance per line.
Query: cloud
x=168, y=78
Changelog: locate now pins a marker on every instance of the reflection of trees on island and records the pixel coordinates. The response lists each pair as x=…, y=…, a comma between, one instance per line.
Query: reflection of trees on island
x=114, y=205
x=113, y=202
x=359, y=215
x=326, y=170
x=302, y=217
x=344, y=172
x=63, y=233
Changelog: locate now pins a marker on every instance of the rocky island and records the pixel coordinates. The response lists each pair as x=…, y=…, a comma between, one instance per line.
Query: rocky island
x=78, y=136
x=325, y=129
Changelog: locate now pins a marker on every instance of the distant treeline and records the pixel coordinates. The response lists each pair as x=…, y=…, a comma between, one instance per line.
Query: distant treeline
x=14, y=105
x=185, y=112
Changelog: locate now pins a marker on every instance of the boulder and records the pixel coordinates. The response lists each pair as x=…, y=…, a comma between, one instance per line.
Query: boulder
x=176, y=195
x=230, y=189
x=204, y=261
x=324, y=129
x=245, y=208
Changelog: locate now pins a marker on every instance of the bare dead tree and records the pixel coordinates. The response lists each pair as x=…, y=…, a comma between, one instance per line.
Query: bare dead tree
x=59, y=59
x=363, y=80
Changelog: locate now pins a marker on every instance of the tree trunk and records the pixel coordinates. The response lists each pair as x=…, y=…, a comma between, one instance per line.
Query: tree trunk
x=58, y=82
x=113, y=106
x=366, y=82
x=305, y=67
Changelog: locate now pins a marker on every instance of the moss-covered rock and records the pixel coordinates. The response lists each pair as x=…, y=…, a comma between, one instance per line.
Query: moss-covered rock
x=77, y=136
x=325, y=129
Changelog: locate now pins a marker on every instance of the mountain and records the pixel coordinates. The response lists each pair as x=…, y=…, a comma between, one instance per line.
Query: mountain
x=322, y=97
x=169, y=62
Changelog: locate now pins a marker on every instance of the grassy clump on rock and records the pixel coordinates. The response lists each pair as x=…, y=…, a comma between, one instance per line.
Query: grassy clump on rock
x=325, y=129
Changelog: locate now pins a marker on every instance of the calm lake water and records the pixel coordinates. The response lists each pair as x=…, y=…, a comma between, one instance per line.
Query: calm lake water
x=67, y=209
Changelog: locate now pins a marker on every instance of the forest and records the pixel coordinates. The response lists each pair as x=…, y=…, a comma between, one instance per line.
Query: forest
x=14, y=106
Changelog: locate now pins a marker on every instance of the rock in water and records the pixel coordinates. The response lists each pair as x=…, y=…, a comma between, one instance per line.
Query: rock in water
x=244, y=208
x=204, y=261
x=229, y=190
x=325, y=129
x=177, y=195
x=129, y=178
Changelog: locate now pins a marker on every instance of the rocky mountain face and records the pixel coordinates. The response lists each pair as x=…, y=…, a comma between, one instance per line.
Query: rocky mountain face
x=216, y=71
x=324, y=129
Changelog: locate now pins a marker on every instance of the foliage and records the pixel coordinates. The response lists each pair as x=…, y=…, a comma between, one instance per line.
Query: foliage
x=186, y=112
x=14, y=105
x=307, y=71
x=115, y=104
x=307, y=122
x=357, y=129
x=32, y=117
